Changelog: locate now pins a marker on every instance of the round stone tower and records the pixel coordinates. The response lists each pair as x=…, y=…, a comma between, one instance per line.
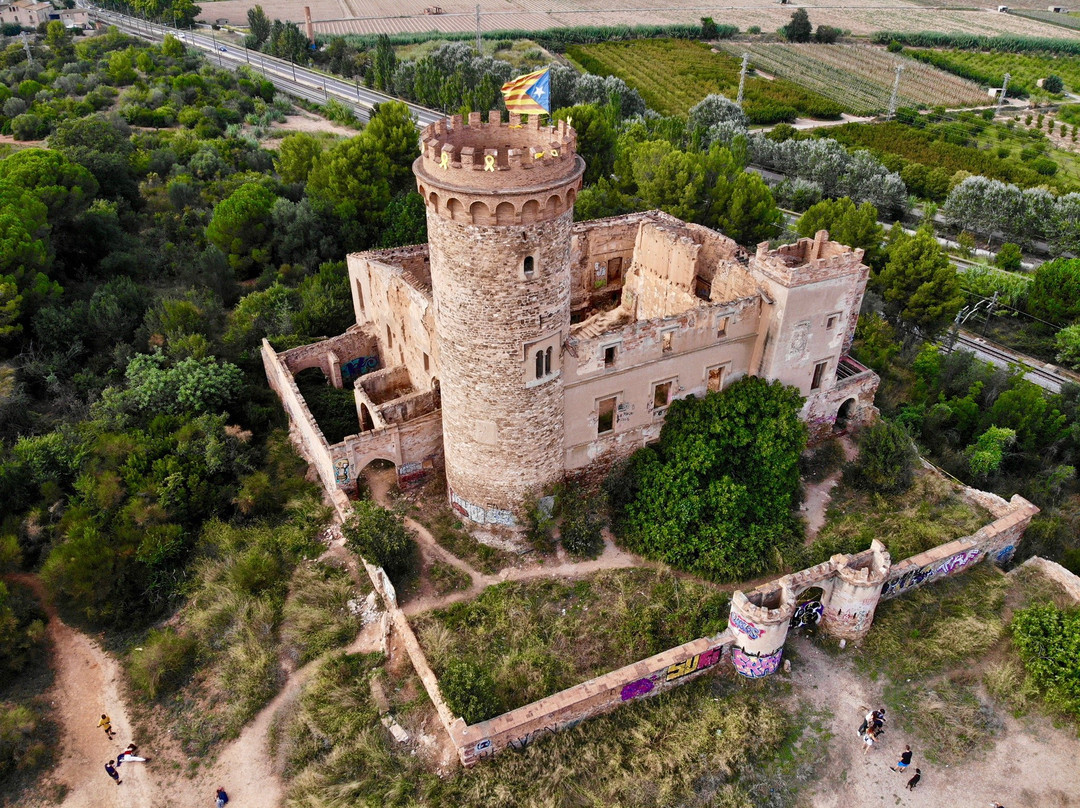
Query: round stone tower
x=500, y=201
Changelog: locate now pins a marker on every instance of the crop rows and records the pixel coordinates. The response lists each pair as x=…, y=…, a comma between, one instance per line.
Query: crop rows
x=674, y=75
x=1063, y=20
x=858, y=77
x=989, y=68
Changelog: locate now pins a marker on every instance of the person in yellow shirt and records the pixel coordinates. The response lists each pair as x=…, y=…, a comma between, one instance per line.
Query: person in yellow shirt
x=107, y=724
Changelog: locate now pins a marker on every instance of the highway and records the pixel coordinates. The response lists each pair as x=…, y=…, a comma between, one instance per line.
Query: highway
x=292, y=79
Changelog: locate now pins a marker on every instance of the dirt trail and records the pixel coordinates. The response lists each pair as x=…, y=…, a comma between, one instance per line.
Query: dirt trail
x=818, y=495
x=1022, y=768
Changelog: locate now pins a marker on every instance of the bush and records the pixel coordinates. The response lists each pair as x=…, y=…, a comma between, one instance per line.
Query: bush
x=380, y=536
x=160, y=665
x=826, y=34
x=1008, y=257
x=1053, y=84
x=581, y=527
x=818, y=463
x=886, y=461
x=469, y=691
x=1048, y=640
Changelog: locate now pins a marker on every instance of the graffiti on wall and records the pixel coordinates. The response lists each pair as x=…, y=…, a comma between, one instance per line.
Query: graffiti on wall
x=1005, y=554
x=360, y=366
x=479, y=514
x=624, y=411
x=929, y=572
x=697, y=662
x=745, y=626
x=412, y=473
x=341, y=472
x=807, y=615
x=755, y=666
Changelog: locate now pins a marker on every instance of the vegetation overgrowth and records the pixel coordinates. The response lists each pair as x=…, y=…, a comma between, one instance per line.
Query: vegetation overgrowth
x=536, y=638
x=989, y=69
x=1005, y=43
x=674, y=75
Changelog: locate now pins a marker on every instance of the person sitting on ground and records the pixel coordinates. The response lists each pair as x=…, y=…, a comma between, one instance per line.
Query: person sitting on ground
x=222, y=797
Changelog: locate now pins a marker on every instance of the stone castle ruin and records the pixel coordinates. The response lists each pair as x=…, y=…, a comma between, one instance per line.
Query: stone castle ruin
x=517, y=347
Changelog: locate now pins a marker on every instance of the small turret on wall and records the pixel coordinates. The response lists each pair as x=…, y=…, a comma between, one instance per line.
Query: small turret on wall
x=760, y=622
x=856, y=590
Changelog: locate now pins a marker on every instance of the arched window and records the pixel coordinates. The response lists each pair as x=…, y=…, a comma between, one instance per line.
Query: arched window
x=529, y=266
x=547, y=362
x=540, y=364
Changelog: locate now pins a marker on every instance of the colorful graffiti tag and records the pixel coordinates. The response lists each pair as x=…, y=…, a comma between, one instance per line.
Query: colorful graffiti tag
x=755, y=666
x=693, y=664
x=411, y=473
x=360, y=366
x=1005, y=554
x=341, y=472
x=480, y=515
x=929, y=572
x=808, y=614
x=746, y=627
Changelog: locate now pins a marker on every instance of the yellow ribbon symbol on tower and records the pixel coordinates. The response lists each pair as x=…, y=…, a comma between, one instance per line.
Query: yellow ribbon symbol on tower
x=554, y=152
x=538, y=156
x=444, y=163
x=569, y=121
x=489, y=162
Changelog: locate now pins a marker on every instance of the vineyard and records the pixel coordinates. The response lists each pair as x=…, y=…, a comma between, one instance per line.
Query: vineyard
x=859, y=77
x=989, y=68
x=674, y=75
x=1063, y=20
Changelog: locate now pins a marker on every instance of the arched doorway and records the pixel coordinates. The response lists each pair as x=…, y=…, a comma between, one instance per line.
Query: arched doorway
x=366, y=421
x=843, y=415
x=809, y=611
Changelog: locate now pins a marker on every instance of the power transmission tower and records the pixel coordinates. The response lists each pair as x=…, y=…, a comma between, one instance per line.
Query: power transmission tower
x=478, y=51
x=1001, y=98
x=895, y=89
x=742, y=77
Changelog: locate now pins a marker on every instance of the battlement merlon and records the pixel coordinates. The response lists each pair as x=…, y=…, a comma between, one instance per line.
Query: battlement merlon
x=475, y=156
x=808, y=260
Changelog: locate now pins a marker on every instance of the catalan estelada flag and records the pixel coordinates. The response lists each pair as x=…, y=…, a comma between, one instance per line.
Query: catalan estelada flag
x=530, y=93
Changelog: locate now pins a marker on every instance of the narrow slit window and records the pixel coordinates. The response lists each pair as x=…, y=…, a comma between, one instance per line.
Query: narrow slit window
x=389, y=338
x=819, y=374
x=427, y=363
x=360, y=295
x=605, y=417
x=721, y=327
x=540, y=364
x=609, y=356
x=529, y=267
x=665, y=341
x=547, y=362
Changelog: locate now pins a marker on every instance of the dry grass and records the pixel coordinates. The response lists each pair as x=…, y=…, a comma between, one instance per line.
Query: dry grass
x=948, y=718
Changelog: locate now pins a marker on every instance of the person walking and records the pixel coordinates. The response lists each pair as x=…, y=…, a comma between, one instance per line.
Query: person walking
x=869, y=739
x=904, y=762
x=914, y=781
x=109, y=770
x=107, y=725
x=867, y=722
x=222, y=797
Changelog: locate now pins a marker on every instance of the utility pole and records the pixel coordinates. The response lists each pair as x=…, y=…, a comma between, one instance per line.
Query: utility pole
x=1001, y=98
x=895, y=90
x=742, y=78
x=478, y=51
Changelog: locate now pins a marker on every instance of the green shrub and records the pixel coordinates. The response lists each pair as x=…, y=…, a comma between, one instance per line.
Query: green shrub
x=380, y=536
x=818, y=463
x=162, y=663
x=886, y=461
x=1053, y=84
x=581, y=528
x=1048, y=640
x=1008, y=257
x=469, y=691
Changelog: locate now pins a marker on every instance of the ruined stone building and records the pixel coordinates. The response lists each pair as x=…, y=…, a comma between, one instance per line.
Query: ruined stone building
x=517, y=346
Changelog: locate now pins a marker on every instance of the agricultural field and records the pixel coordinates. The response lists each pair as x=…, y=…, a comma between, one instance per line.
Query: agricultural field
x=674, y=75
x=861, y=17
x=989, y=68
x=1064, y=20
x=859, y=77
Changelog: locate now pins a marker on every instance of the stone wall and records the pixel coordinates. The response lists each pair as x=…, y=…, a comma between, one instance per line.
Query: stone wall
x=1056, y=573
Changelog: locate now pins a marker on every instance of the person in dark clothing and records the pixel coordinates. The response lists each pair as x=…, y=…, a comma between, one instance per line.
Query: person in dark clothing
x=914, y=781
x=222, y=798
x=904, y=762
x=109, y=770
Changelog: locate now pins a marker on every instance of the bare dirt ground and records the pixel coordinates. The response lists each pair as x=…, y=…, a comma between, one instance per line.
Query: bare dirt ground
x=1031, y=764
x=817, y=496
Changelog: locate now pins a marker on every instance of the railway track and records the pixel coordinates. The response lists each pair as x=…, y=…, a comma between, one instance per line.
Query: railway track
x=1048, y=376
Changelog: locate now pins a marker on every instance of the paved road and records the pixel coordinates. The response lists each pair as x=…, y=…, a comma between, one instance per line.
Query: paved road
x=294, y=80
x=1047, y=376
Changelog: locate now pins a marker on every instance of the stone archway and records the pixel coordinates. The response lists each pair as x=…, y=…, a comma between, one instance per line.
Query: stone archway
x=843, y=415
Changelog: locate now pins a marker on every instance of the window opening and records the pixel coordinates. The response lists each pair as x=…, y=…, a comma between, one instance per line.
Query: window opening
x=830, y=324
x=529, y=266
x=716, y=380
x=547, y=362
x=721, y=327
x=540, y=364
x=666, y=341
x=360, y=295
x=605, y=418
x=389, y=338
x=614, y=269
x=427, y=364
x=819, y=373
x=661, y=395
x=609, y=356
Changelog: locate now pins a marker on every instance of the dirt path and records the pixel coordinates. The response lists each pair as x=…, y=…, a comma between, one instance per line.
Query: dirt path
x=1022, y=769
x=818, y=495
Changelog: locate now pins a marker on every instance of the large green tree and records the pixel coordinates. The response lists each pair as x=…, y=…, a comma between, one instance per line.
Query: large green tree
x=1054, y=295
x=847, y=224
x=596, y=138
x=920, y=286
x=716, y=496
x=240, y=227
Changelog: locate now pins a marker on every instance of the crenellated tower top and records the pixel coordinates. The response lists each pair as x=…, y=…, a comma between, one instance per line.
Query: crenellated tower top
x=495, y=173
